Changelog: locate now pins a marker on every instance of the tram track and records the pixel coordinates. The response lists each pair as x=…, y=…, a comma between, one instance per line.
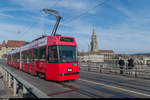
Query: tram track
x=130, y=86
x=72, y=88
x=78, y=89
x=90, y=85
x=111, y=80
x=123, y=85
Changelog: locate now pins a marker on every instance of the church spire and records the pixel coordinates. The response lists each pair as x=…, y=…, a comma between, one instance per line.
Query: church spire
x=94, y=43
x=93, y=33
x=3, y=43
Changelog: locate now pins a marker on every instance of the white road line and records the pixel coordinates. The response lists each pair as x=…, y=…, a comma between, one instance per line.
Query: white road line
x=116, y=87
x=100, y=73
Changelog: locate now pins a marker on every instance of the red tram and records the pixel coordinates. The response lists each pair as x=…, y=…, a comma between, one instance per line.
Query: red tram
x=51, y=57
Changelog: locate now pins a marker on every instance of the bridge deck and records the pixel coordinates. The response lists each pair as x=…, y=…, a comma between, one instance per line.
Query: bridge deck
x=90, y=85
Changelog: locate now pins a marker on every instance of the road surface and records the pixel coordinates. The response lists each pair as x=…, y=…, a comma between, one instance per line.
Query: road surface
x=90, y=85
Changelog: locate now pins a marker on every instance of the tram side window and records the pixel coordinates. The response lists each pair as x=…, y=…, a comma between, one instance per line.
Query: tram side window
x=8, y=57
x=52, y=54
x=28, y=56
x=17, y=57
x=42, y=54
x=13, y=57
x=35, y=56
x=24, y=56
x=30, y=53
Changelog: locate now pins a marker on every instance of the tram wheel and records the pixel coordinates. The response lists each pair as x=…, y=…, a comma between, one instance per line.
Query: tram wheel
x=41, y=75
x=72, y=80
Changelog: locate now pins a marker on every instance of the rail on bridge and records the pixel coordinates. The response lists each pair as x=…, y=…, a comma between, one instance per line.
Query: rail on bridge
x=19, y=85
x=139, y=71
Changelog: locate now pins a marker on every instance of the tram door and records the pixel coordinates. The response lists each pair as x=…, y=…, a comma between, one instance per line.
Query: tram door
x=42, y=59
x=34, y=63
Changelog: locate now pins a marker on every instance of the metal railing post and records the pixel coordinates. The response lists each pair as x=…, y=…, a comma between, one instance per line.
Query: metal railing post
x=9, y=80
x=88, y=67
x=136, y=73
x=100, y=69
x=5, y=76
x=14, y=87
x=24, y=90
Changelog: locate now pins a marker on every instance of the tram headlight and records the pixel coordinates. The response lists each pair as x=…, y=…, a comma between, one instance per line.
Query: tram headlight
x=69, y=69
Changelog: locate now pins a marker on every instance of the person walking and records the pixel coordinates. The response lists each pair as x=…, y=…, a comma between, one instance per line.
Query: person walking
x=121, y=65
x=130, y=65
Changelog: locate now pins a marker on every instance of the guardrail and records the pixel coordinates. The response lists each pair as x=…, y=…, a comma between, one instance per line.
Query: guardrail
x=19, y=85
x=139, y=71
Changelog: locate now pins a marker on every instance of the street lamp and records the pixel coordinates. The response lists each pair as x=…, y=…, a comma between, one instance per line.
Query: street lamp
x=56, y=14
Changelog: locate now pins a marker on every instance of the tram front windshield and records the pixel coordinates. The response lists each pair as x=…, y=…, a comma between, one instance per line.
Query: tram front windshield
x=62, y=54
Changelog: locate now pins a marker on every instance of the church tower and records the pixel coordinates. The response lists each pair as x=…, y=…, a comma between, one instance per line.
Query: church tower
x=3, y=43
x=94, y=43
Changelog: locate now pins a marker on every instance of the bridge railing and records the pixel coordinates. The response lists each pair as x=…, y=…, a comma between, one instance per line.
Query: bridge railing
x=141, y=71
x=19, y=85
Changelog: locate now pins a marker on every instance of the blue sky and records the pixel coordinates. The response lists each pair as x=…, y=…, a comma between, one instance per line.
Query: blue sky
x=121, y=25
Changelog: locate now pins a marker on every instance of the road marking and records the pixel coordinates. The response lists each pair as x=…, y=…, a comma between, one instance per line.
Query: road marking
x=110, y=75
x=115, y=87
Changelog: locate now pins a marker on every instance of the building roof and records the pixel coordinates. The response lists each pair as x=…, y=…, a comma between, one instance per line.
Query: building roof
x=106, y=51
x=13, y=43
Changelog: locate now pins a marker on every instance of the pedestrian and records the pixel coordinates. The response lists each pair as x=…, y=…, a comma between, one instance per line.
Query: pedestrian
x=121, y=65
x=130, y=65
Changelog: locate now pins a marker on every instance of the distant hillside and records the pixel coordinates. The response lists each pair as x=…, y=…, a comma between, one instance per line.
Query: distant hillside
x=148, y=54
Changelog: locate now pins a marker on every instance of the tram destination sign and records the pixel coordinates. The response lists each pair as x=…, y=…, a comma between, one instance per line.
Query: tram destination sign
x=66, y=39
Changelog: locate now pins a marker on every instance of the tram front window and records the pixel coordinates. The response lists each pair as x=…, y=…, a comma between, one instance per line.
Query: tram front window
x=67, y=53
x=62, y=53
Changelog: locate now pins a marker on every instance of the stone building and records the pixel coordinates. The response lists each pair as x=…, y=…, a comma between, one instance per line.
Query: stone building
x=95, y=55
x=90, y=57
x=10, y=45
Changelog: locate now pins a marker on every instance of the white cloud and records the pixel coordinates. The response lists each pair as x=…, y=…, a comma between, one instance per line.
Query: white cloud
x=40, y=4
x=17, y=32
x=74, y=4
x=132, y=34
x=3, y=15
